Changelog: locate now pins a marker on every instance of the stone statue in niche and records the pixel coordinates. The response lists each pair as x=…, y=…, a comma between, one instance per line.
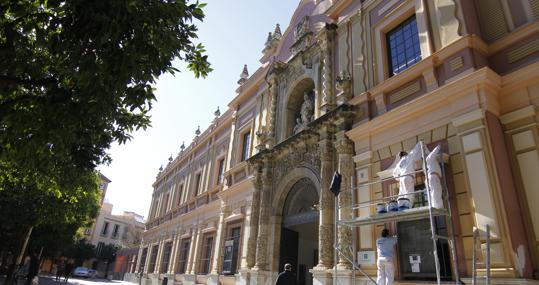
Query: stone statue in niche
x=306, y=113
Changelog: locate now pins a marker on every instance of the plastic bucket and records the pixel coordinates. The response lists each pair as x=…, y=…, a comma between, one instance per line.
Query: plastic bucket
x=404, y=203
x=392, y=206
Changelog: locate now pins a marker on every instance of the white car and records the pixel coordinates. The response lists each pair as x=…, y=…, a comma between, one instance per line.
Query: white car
x=84, y=272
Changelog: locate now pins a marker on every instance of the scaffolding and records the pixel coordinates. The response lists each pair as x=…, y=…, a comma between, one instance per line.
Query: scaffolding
x=411, y=214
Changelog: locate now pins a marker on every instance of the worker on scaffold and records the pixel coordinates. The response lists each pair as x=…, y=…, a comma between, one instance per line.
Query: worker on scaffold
x=386, y=251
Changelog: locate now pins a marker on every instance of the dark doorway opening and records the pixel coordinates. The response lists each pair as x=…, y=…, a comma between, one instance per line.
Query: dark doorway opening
x=299, y=232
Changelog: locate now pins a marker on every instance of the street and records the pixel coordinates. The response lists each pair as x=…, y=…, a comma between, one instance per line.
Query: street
x=48, y=280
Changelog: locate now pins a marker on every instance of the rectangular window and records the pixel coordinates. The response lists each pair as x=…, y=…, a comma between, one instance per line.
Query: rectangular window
x=99, y=247
x=165, y=260
x=115, y=231
x=180, y=190
x=220, y=171
x=198, y=184
x=153, y=259
x=105, y=229
x=403, y=46
x=154, y=209
x=143, y=259
x=231, y=250
x=184, y=252
x=164, y=206
x=207, y=250
x=245, y=146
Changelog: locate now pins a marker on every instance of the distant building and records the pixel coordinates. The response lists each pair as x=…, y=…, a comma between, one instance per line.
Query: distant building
x=123, y=230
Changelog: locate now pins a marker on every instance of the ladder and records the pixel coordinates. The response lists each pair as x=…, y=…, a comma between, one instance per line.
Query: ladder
x=476, y=237
x=406, y=215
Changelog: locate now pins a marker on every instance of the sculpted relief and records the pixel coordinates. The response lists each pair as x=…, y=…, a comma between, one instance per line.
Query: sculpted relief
x=306, y=114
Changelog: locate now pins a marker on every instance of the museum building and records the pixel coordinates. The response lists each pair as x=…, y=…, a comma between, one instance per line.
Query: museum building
x=347, y=86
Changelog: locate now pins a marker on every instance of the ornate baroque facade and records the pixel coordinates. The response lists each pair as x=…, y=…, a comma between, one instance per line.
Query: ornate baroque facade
x=347, y=86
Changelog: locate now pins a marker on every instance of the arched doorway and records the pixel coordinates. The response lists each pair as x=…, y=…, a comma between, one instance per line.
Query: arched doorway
x=299, y=232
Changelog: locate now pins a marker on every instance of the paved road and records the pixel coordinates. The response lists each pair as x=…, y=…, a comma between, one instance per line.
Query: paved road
x=47, y=280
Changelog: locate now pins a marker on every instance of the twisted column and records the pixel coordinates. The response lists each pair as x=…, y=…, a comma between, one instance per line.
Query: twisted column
x=326, y=203
x=326, y=44
x=274, y=92
x=345, y=150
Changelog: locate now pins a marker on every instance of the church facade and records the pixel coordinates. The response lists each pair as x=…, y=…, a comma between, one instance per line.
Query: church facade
x=346, y=87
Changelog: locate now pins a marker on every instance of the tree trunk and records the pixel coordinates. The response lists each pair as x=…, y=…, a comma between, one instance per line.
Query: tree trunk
x=17, y=264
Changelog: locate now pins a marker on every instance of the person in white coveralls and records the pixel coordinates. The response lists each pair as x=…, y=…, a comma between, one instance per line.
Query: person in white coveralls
x=404, y=172
x=435, y=174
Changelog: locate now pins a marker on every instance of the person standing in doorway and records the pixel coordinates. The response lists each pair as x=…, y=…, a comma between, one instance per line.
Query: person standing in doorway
x=385, y=246
x=287, y=277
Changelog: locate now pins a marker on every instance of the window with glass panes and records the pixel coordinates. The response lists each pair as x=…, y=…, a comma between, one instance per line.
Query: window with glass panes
x=182, y=260
x=403, y=46
x=143, y=259
x=207, y=249
x=153, y=259
x=221, y=171
x=166, y=257
x=198, y=183
x=246, y=144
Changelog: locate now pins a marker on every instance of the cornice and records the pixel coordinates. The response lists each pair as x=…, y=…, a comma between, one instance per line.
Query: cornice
x=480, y=79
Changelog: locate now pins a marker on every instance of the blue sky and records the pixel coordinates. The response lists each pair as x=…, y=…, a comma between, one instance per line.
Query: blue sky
x=234, y=33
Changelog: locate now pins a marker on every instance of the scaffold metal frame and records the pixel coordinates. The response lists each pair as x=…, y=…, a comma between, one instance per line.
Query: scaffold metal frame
x=404, y=215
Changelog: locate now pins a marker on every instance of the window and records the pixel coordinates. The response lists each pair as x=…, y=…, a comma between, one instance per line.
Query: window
x=105, y=229
x=143, y=259
x=232, y=244
x=220, y=171
x=115, y=231
x=164, y=206
x=246, y=144
x=207, y=249
x=153, y=259
x=180, y=190
x=403, y=46
x=166, y=257
x=184, y=252
x=99, y=247
x=154, y=209
x=198, y=185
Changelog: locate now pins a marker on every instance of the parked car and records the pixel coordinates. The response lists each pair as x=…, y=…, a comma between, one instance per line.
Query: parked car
x=92, y=273
x=84, y=272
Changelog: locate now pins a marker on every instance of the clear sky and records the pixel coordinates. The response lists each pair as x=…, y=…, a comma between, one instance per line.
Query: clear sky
x=234, y=33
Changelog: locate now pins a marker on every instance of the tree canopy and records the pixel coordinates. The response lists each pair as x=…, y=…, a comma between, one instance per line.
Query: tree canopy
x=76, y=76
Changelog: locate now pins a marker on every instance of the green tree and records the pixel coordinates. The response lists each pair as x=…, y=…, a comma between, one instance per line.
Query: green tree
x=76, y=76
x=107, y=254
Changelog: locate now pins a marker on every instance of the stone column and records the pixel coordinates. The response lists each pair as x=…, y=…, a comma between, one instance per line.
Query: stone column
x=326, y=203
x=148, y=257
x=195, y=256
x=326, y=45
x=139, y=257
x=274, y=93
x=175, y=252
x=345, y=150
x=252, y=219
x=159, y=255
x=260, y=274
x=213, y=277
x=189, y=278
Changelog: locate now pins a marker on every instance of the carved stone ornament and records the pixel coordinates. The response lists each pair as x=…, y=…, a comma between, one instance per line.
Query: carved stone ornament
x=343, y=81
x=297, y=155
x=306, y=114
